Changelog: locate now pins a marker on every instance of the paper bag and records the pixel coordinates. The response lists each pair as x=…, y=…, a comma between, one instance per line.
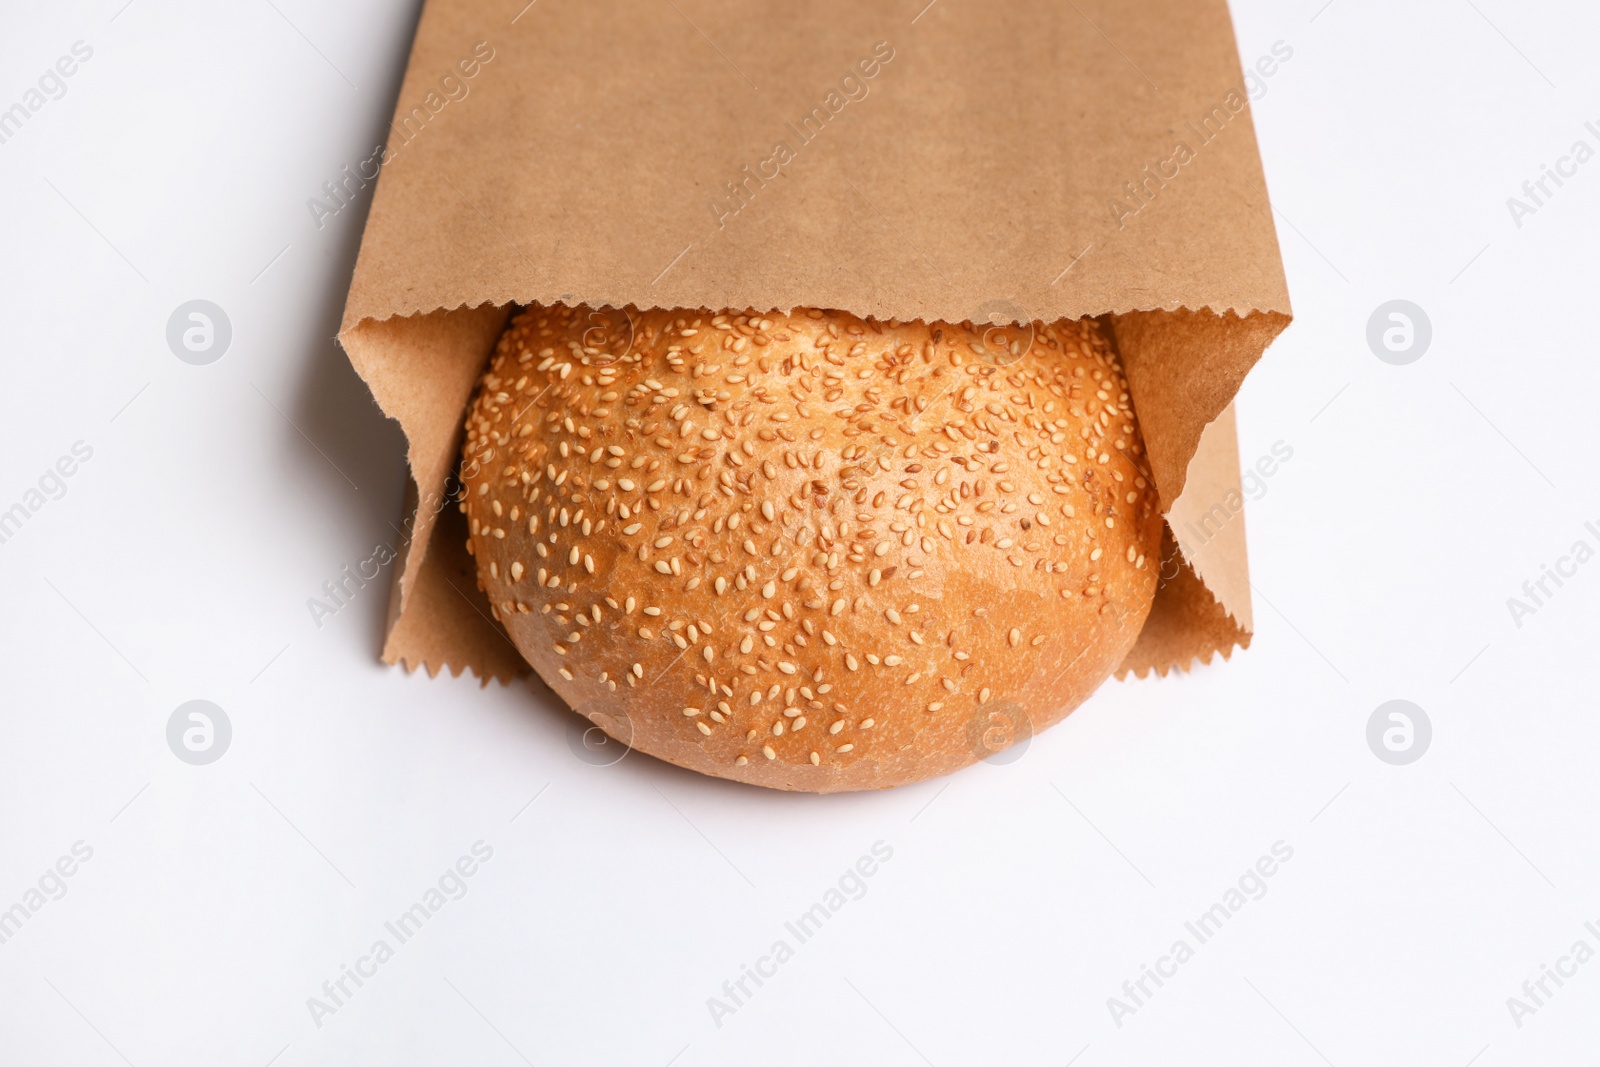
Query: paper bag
x=944, y=160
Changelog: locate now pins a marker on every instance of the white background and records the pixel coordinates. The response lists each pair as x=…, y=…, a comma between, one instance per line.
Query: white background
x=1019, y=898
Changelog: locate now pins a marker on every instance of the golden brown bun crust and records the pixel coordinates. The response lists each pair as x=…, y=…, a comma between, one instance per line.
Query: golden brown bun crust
x=812, y=551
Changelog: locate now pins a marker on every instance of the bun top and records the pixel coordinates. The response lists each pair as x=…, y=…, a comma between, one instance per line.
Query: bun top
x=811, y=551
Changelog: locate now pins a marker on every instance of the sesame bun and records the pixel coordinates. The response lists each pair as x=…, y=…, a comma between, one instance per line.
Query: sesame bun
x=811, y=551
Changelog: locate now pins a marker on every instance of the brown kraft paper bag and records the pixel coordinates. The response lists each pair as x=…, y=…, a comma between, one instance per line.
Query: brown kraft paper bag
x=1016, y=162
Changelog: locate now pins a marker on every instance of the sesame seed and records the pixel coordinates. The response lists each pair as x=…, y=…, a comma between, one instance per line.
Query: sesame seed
x=992, y=473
